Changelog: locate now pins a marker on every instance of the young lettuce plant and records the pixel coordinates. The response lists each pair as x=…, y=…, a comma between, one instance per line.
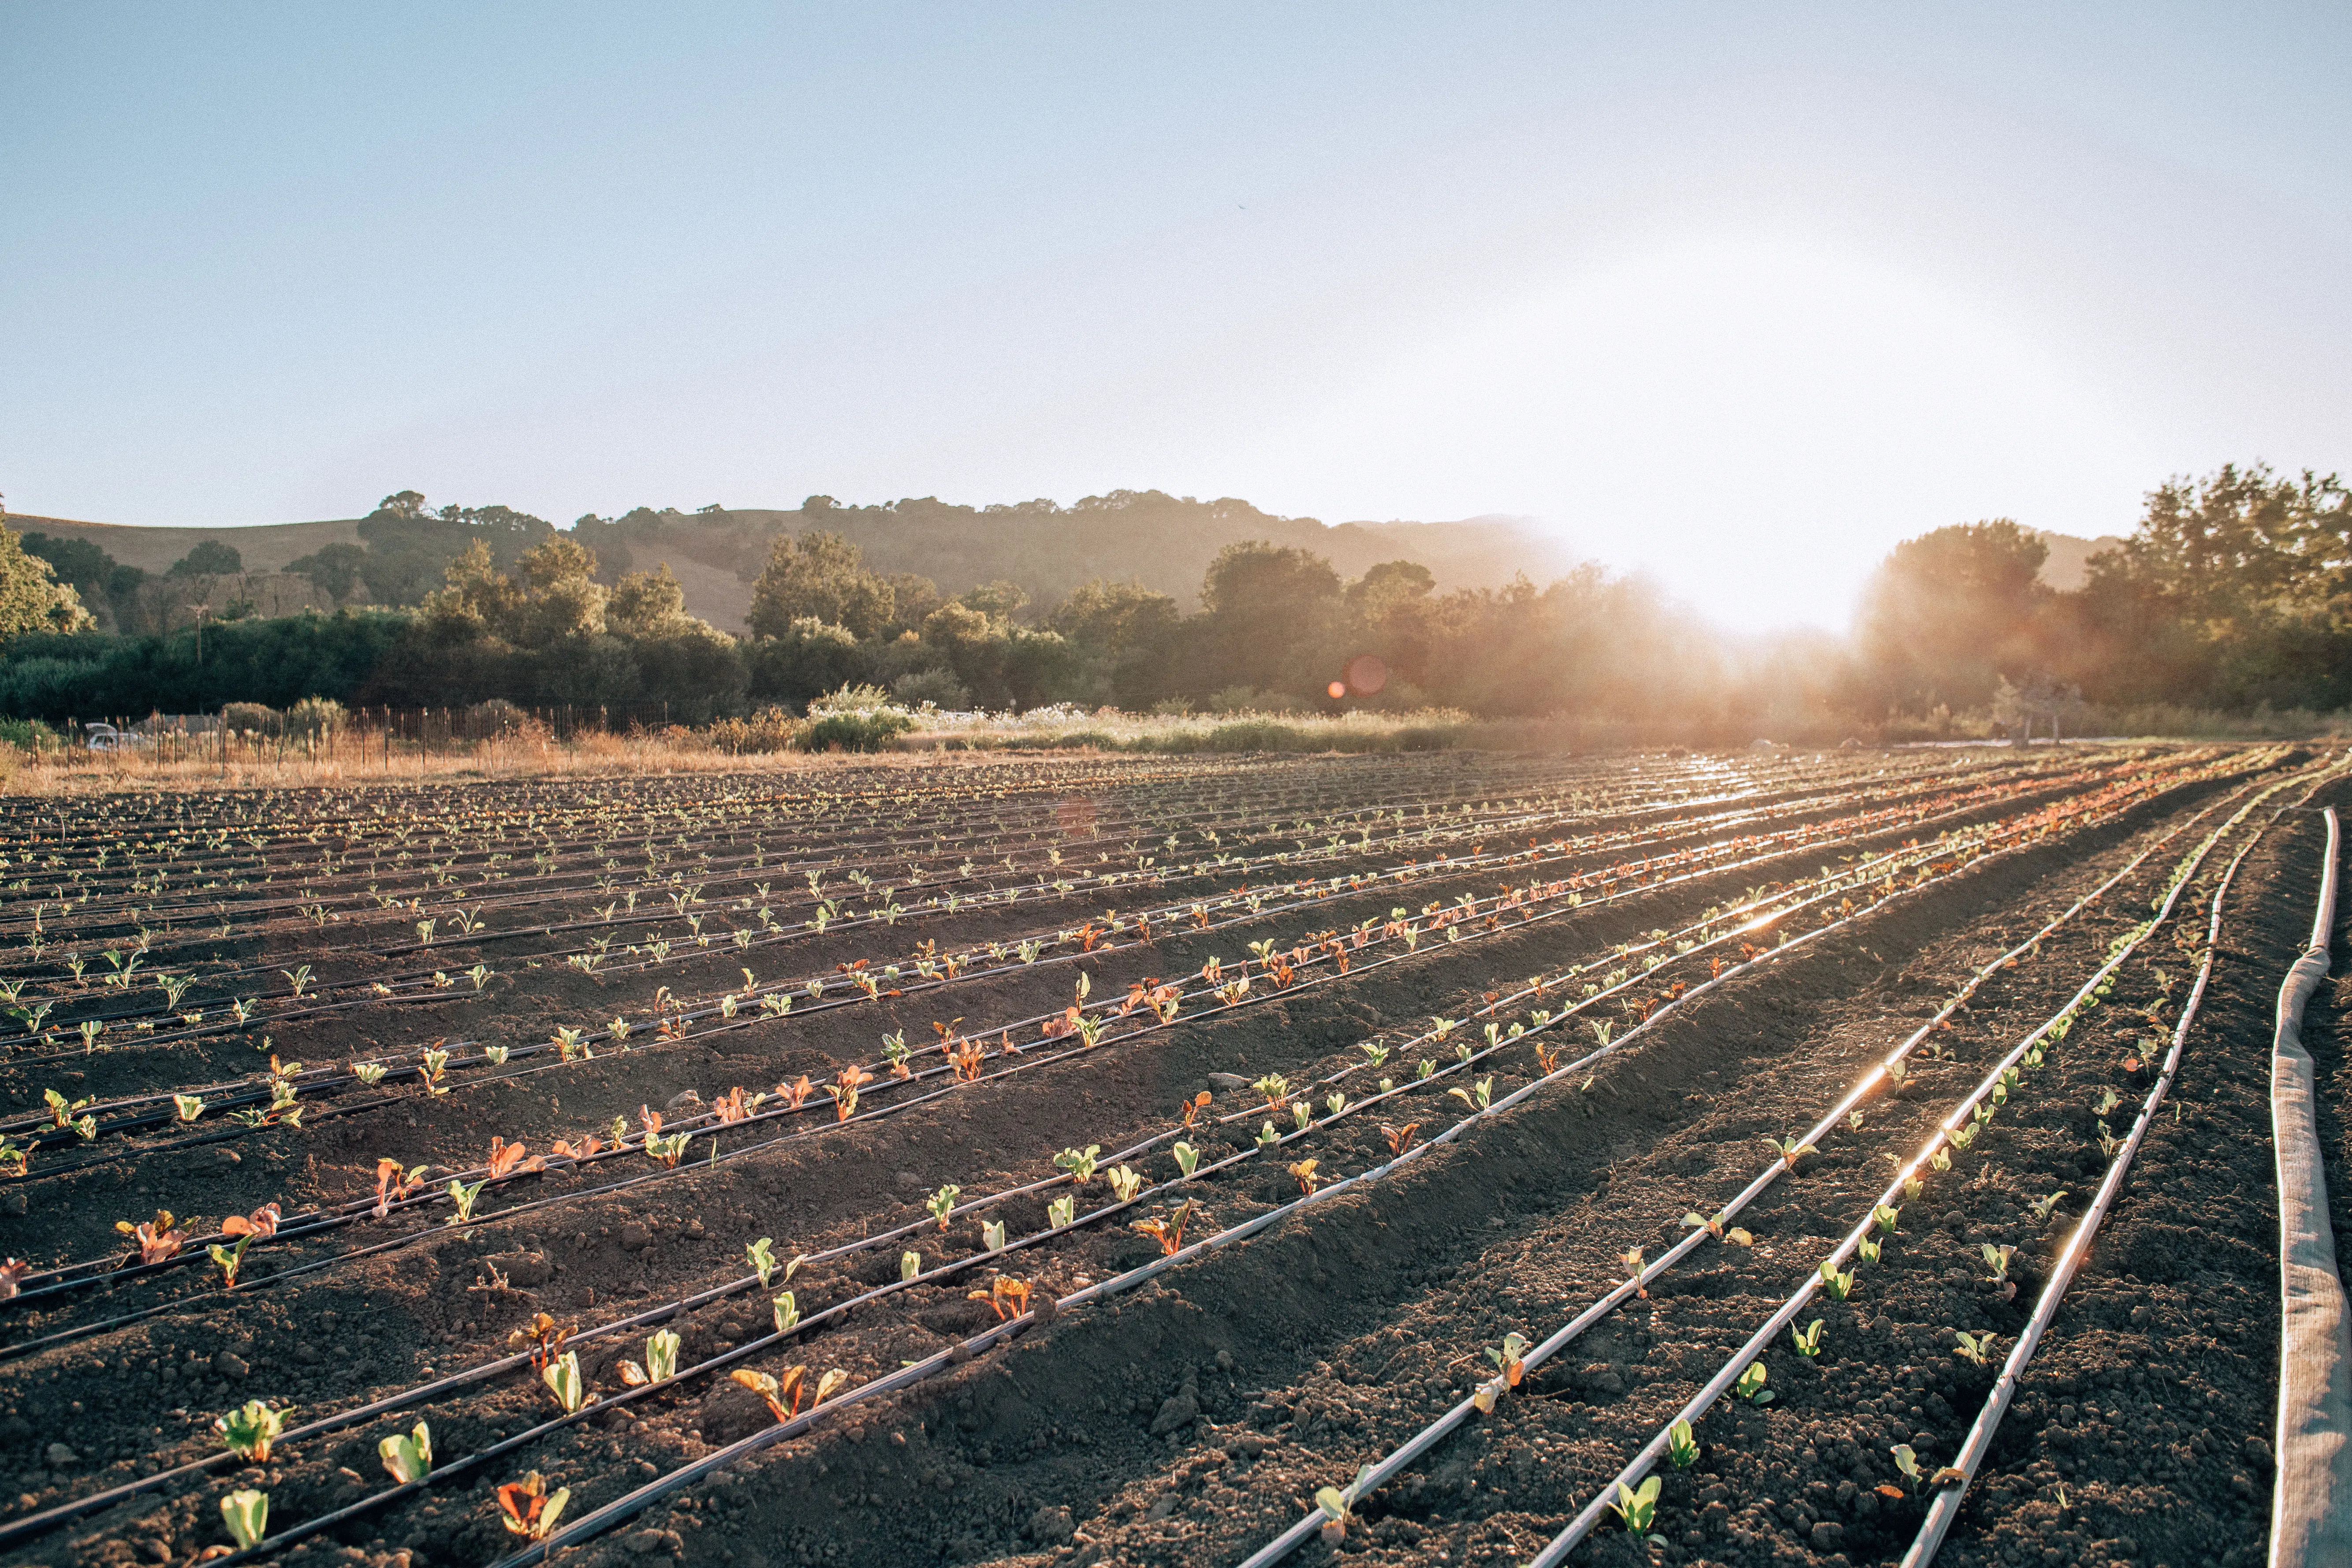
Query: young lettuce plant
x=526, y=1508
x=1715, y=1229
x=1169, y=1234
x=1971, y=1347
x=943, y=1203
x=250, y=1429
x=1080, y=1163
x=246, y=1515
x=761, y=1256
x=1124, y=1183
x=409, y=1457
x=1636, y=1508
x=157, y=1239
x=1809, y=1340
x=661, y=1361
x=1682, y=1447
x=1838, y=1285
x=1187, y=1157
x=1750, y=1386
x=788, y=1313
x=564, y=1380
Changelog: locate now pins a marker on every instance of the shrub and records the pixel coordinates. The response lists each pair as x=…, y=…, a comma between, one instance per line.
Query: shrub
x=770, y=730
x=940, y=688
x=256, y=717
x=856, y=732
x=320, y=716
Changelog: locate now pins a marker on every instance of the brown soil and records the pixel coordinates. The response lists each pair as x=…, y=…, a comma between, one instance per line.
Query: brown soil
x=1190, y=1421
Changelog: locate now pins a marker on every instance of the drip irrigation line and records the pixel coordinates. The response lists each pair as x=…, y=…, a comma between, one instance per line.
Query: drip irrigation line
x=1556, y=1551
x=1372, y=1477
x=50, y=1517
x=1955, y=1480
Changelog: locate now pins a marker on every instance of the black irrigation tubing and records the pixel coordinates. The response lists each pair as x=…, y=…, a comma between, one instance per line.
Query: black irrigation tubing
x=39, y=1524
x=993, y=894
x=54, y=1282
x=1371, y=1477
x=1452, y=866
x=1913, y=784
x=1556, y=1551
x=1094, y=1217
x=603, y=1518
x=1526, y=917
x=1221, y=806
x=358, y=1208
x=1962, y=1473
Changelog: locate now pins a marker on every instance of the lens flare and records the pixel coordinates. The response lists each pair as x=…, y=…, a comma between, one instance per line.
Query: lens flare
x=1337, y=690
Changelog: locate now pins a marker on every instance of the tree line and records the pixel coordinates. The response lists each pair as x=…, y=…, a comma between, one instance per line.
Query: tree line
x=2234, y=591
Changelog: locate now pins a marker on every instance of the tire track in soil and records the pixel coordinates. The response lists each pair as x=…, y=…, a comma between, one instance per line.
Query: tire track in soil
x=1280, y=1346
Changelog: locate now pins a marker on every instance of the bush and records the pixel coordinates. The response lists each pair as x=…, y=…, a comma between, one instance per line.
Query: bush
x=496, y=717
x=770, y=730
x=320, y=716
x=259, y=718
x=869, y=731
x=940, y=688
x=30, y=736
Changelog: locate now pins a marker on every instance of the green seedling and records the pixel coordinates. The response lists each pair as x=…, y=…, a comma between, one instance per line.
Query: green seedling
x=1267, y=1137
x=1838, y=1285
x=910, y=1263
x=1941, y=1160
x=1682, y=1447
x=1636, y=1508
x=1884, y=1216
x=251, y=1428
x=1868, y=1248
x=410, y=1458
x=2109, y=1100
x=189, y=1106
x=1080, y=1163
x=1997, y=1259
x=1299, y=1116
x=991, y=1235
x=1187, y=1157
x=1715, y=1229
x=2044, y=1208
x=1424, y=1070
x=1809, y=1340
x=2108, y=1141
x=1907, y=1462
x=463, y=1197
x=246, y=1514
x=1061, y=1212
x=229, y=1259
x=788, y=1313
x=761, y=1256
x=943, y=1203
x=1478, y=1097
x=1971, y=1348
x=1790, y=1149
x=564, y=1380
x=1750, y=1386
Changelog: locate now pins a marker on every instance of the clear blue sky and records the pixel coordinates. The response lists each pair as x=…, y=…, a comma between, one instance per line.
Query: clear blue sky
x=1736, y=294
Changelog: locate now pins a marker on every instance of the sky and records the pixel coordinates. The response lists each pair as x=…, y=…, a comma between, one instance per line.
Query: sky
x=1733, y=296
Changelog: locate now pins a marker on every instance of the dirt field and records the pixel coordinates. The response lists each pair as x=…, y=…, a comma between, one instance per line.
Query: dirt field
x=873, y=1015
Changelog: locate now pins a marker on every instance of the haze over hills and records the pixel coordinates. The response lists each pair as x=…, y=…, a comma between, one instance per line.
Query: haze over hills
x=1165, y=542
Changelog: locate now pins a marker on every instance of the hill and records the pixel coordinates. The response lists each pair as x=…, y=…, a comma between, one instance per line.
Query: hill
x=1167, y=542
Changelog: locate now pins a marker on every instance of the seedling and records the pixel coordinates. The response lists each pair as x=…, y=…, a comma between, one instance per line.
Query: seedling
x=1636, y=1508
x=1400, y=1139
x=1750, y=1386
x=1997, y=1261
x=410, y=1458
x=1080, y=1163
x=758, y=1254
x=1790, y=1149
x=156, y=1238
x=1971, y=1347
x=526, y=1508
x=1907, y=1462
x=1187, y=1157
x=1868, y=1248
x=1634, y=1265
x=1337, y=1509
x=1300, y=1116
x=1169, y=1235
x=251, y=1428
x=943, y=1203
x=788, y=1313
x=1838, y=1285
x=562, y=1378
x=1809, y=1340
x=2108, y=1141
x=2044, y=1208
x=1268, y=1136
x=463, y=1197
x=246, y=1514
x=1885, y=1216
x=1682, y=1447
x=2109, y=1100
x=1715, y=1229
x=229, y=1259
x=991, y=1235
x=910, y=1263
x=1061, y=1212
x=1304, y=1170
x=1007, y=1297
x=1509, y=1357
x=1478, y=1096
x=782, y=1394
x=189, y=1106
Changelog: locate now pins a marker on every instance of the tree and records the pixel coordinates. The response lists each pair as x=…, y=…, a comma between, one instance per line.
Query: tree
x=823, y=576
x=99, y=578
x=648, y=605
x=210, y=558
x=333, y=569
x=1271, y=622
x=1952, y=611
x=31, y=599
